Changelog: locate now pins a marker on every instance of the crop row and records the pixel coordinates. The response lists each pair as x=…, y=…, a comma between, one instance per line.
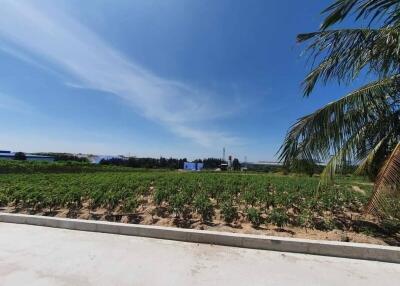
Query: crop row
x=258, y=197
x=29, y=167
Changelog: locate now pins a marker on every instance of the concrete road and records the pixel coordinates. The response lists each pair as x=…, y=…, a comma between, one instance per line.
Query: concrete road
x=33, y=255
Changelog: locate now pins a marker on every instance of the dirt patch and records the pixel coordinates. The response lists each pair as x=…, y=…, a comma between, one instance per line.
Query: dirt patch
x=356, y=228
x=358, y=190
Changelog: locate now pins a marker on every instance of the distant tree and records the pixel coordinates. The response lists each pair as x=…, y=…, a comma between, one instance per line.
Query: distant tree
x=236, y=164
x=173, y=163
x=20, y=156
x=148, y=163
x=212, y=163
x=181, y=162
x=65, y=157
x=304, y=166
x=114, y=161
x=163, y=162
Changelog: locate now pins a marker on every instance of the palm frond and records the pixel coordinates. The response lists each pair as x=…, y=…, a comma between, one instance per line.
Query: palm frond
x=329, y=171
x=385, y=10
x=388, y=180
x=363, y=126
x=341, y=158
x=315, y=136
x=369, y=159
x=343, y=54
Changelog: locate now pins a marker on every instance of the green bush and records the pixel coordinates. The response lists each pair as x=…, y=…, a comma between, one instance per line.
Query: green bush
x=204, y=207
x=254, y=216
x=329, y=224
x=267, y=200
x=278, y=217
x=229, y=212
x=160, y=196
x=305, y=219
x=130, y=205
x=177, y=204
x=52, y=200
x=3, y=200
x=111, y=200
x=250, y=197
x=391, y=226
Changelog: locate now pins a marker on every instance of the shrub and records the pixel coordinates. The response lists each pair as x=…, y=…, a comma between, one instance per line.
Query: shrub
x=224, y=197
x=130, y=205
x=267, y=200
x=229, y=212
x=204, y=207
x=20, y=156
x=278, y=217
x=52, y=200
x=391, y=226
x=250, y=197
x=254, y=216
x=3, y=200
x=160, y=196
x=305, y=219
x=111, y=200
x=329, y=224
x=177, y=204
x=142, y=190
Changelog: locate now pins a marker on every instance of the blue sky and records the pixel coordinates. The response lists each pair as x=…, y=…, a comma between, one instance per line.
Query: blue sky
x=154, y=78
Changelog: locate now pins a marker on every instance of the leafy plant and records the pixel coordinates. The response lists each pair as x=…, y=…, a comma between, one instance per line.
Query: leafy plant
x=391, y=226
x=177, y=204
x=160, y=196
x=329, y=224
x=250, y=197
x=130, y=205
x=254, y=216
x=51, y=201
x=204, y=207
x=278, y=217
x=111, y=200
x=3, y=200
x=229, y=212
x=305, y=219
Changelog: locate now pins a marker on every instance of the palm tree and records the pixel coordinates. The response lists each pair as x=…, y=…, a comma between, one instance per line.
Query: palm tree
x=362, y=127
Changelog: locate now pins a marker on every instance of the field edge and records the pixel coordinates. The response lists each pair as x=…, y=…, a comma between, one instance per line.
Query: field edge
x=360, y=251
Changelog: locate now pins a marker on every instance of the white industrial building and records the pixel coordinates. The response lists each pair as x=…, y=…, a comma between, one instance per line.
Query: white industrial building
x=8, y=155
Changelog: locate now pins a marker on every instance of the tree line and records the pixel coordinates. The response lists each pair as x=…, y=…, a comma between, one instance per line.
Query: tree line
x=160, y=163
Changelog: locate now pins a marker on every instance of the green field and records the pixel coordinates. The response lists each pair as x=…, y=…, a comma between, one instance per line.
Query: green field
x=278, y=199
x=261, y=201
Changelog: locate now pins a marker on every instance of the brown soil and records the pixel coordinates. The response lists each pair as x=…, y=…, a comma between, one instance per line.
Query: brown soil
x=358, y=228
x=358, y=190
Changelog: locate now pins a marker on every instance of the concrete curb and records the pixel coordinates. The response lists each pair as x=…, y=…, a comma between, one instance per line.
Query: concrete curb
x=315, y=247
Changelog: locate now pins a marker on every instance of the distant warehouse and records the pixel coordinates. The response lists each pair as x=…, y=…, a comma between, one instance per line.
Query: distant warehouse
x=8, y=155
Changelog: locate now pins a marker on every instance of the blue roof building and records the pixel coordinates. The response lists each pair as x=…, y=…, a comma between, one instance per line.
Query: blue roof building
x=189, y=166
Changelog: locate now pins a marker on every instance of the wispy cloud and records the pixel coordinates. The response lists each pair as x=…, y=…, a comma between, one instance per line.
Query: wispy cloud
x=13, y=104
x=62, y=41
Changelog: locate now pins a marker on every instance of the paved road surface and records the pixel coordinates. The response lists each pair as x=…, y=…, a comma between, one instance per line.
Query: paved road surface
x=32, y=255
